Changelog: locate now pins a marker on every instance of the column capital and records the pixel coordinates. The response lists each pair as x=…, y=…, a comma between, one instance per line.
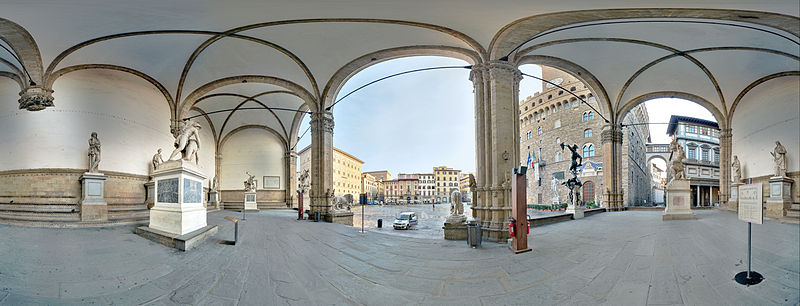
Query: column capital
x=502, y=69
x=323, y=120
x=35, y=98
x=727, y=133
x=611, y=133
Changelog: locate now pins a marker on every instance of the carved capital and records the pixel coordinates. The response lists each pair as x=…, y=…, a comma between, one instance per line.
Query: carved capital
x=611, y=133
x=502, y=69
x=323, y=121
x=35, y=98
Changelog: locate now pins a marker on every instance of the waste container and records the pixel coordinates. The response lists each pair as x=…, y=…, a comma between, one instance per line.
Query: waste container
x=473, y=234
x=380, y=223
x=316, y=216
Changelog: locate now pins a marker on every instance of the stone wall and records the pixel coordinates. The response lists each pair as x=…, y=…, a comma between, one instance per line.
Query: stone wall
x=265, y=198
x=62, y=186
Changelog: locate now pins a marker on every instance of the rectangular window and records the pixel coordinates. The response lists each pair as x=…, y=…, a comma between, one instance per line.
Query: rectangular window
x=690, y=154
x=690, y=129
x=705, y=155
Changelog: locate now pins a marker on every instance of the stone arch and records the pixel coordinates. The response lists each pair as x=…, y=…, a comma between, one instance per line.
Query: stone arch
x=192, y=98
x=19, y=39
x=252, y=126
x=341, y=76
x=164, y=92
x=578, y=72
x=627, y=106
x=657, y=156
x=750, y=87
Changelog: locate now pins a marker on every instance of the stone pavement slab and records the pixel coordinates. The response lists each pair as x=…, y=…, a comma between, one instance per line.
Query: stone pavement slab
x=623, y=258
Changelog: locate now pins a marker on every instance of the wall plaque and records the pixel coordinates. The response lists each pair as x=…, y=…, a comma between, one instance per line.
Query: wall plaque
x=192, y=191
x=272, y=182
x=167, y=190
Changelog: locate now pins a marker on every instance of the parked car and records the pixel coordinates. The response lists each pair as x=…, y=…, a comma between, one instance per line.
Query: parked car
x=406, y=220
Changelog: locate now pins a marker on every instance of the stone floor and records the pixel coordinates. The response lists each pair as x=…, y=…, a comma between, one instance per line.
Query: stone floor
x=624, y=258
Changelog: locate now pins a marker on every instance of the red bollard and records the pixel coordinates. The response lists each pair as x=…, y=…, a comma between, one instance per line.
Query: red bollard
x=299, y=205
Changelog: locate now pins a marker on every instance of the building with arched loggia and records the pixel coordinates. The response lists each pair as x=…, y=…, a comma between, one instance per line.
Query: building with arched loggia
x=133, y=76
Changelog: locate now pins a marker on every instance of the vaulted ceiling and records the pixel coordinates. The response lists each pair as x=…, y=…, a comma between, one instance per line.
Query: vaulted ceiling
x=207, y=55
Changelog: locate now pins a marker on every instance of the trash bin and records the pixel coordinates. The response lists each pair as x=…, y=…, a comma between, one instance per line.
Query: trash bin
x=316, y=216
x=380, y=223
x=473, y=234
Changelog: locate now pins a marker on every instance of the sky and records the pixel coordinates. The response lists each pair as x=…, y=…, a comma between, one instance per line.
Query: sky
x=417, y=121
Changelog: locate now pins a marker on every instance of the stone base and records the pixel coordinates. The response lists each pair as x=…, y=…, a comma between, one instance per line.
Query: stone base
x=511, y=247
x=178, y=208
x=93, y=206
x=150, y=189
x=678, y=199
x=213, y=200
x=455, y=230
x=776, y=208
x=250, y=201
x=340, y=217
x=780, y=198
x=182, y=242
x=177, y=221
x=668, y=217
x=577, y=213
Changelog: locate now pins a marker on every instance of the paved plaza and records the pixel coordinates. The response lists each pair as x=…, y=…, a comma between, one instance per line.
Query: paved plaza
x=623, y=258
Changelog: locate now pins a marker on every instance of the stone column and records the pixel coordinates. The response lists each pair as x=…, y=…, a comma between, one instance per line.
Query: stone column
x=321, y=162
x=611, y=139
x=290, y=170
x=502, y=143
x=479, y=77
x=725, y=145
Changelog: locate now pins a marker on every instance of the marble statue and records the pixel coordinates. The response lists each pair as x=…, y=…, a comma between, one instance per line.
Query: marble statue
x=554, y=185
x=187, y=143
x=94, y=153
x=341, y=202
x=736, y=169
x=456, y=207
x=157, y=160
x=304, y=180
x=576, y=158
x=250, y=183
x=215, y=183
x=676, y=161
x=779, y=157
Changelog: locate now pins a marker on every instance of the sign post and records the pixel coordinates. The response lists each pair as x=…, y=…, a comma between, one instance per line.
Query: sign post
x=363, y=200
x=750, y=211
x=518, y=225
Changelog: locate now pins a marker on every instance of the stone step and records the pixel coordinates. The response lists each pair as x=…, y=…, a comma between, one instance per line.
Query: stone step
x=55, y=208
x=126, y=207
x=793, y=213
x=41, y=216
x=794, y=207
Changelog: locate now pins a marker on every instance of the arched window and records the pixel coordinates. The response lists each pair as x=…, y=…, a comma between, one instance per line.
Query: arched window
x=555, y=108
x=591, y=115
x=539, y=131
x=560, y=92
x=566, y=105
x=587, y=133
x=585, y=116
x=588, y=150
x=549, y=97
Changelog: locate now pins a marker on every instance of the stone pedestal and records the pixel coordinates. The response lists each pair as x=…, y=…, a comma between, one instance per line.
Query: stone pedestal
x=341, y=217
x=733, y=201
x=250, y=201
x=178, y=208
x=455, y=228
x=780, y=196
x=150, y=190
x=213, y=199
x=93, y=206
x=678, y=201
x=574, y=207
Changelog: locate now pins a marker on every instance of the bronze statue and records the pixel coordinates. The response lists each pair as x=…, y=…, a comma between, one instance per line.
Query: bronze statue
x=576, y=158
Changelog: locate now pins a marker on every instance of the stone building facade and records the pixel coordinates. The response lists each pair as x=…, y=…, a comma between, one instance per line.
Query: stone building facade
x=369, y=186
x=427, y=185
x=346, y=171
x=636, y=173
x=447, y=180
x=466, y=192
x=554, y=116
x=402, y=190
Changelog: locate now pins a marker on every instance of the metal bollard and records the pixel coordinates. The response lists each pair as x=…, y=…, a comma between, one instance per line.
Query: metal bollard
x=235, y=229
x=380, y=223
x=316, y=216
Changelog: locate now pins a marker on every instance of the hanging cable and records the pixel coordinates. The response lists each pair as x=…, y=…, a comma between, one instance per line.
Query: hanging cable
x=570, y=92
x=394, y=75
x=301, y=137
x=247, y=108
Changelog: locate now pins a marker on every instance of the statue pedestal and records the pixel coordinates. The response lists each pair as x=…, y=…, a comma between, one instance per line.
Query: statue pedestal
x=178, y=207
x=455, y=228
x=574, y=207
x=733, y=200
x=780, y=196
x=250, y=201
x=93, y=206
x=150, y=191
x=213, y=200
x=341, y=217
x=678, y=199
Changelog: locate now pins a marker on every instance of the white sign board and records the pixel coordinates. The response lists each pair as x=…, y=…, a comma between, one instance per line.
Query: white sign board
x=750, y=204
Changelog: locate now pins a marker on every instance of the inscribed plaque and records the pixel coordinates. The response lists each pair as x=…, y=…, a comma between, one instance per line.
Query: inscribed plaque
x=272, y=182
x=167, y=190
x=192, y=191
x=250, y=197
x=750, y=203
x=94, y=189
